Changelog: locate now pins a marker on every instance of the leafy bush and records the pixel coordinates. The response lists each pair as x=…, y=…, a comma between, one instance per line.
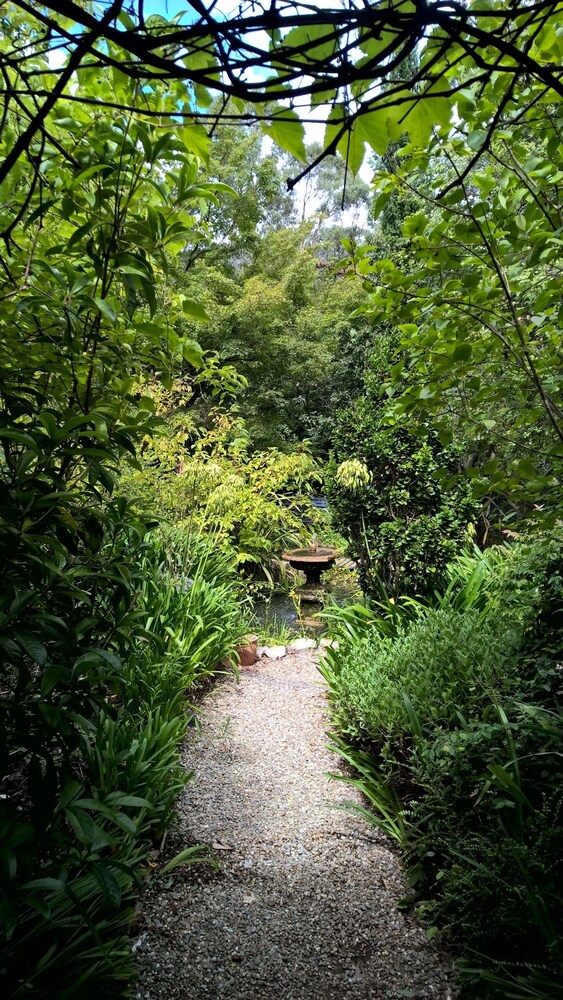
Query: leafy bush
x=253, y=504
x=89, y=762
x=77, y=833
x=490, y=836
x=403, y=522
x=457, y=709
x=442, y=661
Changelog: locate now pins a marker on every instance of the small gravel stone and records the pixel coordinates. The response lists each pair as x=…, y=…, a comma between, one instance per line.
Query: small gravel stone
x=305, y=904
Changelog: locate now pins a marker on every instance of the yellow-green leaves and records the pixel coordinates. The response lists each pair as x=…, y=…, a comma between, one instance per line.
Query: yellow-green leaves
x=193, y=309
x=195, y=140
x=415, y=224
x=313, y=42
x=386, y=121
x=418, y=114
x=374, y=130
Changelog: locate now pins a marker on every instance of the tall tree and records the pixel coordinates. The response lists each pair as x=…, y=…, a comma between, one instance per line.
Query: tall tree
x=284, y=323
x=257, y=198
x=478, y=301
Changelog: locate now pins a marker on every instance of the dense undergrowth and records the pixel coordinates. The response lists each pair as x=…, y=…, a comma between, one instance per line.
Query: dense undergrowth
x=90, y=799
x=104, y=625
x=450, y=716
x=205, y=475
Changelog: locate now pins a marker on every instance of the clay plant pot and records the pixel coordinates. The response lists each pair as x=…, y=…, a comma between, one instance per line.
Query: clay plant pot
x=247, y=651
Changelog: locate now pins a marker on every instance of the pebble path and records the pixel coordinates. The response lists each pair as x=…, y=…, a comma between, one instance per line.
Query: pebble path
x=304, y=906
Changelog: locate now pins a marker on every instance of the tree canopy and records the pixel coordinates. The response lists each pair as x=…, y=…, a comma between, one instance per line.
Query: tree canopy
x=273, y=62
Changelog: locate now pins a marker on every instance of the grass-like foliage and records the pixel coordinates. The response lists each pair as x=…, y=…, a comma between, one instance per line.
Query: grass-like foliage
x=450, y=717
x=190, y=615
x=76, y=835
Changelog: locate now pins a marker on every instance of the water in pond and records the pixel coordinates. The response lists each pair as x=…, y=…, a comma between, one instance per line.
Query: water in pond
x=277, y=612
x=277, y=609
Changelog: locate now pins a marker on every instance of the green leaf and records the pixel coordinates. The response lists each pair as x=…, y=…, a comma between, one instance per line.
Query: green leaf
x=318, y=41
x=147, y=403
x=418, y=116
x=111, y=890
x=79, y=234
x=54, y=673
x=82, y=824
x=195, y=309
x=287, y=131
x=462, y=352
x=192, y=353
x=49, y=884
x=134, y=801
x=124, y=822
x=105, y=308
x=91, y=171
x=476, y=139
x=40, y=905
x=20, y=437
x=334, y=123
x=414, y=225
x=190, y=856
x=352, y=149
x=34, y=648
x=372, y=128
x=195, y=140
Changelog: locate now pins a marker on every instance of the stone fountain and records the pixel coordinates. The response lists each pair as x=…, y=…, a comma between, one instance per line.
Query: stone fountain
x=312, y=562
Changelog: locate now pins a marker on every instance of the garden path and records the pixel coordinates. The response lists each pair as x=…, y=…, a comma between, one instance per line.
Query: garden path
x=305, y=904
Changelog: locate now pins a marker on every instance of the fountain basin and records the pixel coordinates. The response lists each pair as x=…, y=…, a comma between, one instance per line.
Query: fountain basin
x=312, y=562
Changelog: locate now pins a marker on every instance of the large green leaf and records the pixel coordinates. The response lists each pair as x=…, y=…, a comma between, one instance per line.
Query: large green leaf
x=352, y=148
x=373, y=129
x=334, y=124
x=195, y=140
x=418, y=115
x=317, y=40
x=287, y=131
x=193, y=309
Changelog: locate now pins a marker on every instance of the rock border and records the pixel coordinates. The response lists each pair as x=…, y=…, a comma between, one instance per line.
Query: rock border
x=277, y=652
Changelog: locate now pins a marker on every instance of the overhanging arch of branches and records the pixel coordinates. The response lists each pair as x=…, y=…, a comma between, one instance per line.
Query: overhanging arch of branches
x=271, y=60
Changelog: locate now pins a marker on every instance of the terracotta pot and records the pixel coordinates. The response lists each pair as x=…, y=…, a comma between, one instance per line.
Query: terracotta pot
x=247, y=651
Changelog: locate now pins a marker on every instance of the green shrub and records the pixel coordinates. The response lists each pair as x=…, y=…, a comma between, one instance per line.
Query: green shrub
x=403, y=519
x=442, y=662
x=253, y=504
x=490, y=835
x=73, y=862
x=529, y=585
x=476, y=754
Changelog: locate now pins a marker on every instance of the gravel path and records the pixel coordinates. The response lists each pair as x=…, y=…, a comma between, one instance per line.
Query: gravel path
x=305, y=904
